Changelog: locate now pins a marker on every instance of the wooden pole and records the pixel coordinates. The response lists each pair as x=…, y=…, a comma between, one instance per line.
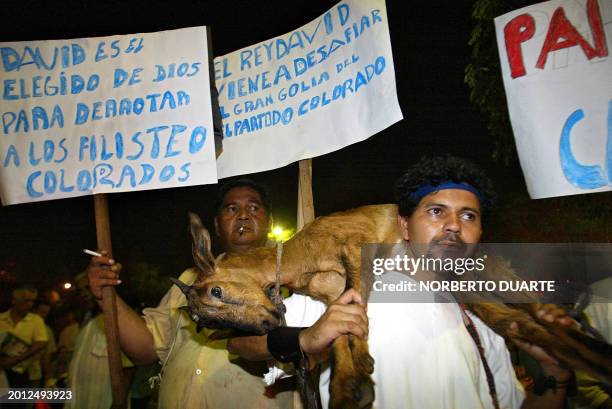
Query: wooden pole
x=305, y=202
x=109, y=299
x=305, y=214
x=109, y=308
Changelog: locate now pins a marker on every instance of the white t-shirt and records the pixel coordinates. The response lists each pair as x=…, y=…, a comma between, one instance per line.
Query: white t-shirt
x=88, y=374
x=600, y=308
x=424, y=356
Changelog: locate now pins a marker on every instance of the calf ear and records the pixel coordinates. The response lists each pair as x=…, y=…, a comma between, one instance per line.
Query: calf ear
x=201, y=245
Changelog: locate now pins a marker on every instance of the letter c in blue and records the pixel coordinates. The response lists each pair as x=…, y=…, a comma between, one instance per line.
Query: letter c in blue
x=582, y=176
x=31, y=191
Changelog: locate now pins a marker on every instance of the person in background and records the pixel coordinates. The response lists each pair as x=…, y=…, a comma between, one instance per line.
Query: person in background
x=88, y=372
x=68, y=328
x=23, y=336
x=600, y=312
x=88, y=308
x=591, y=392
x=40, y=370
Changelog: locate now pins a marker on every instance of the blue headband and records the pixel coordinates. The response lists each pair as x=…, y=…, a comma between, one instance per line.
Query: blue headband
x=424, y=190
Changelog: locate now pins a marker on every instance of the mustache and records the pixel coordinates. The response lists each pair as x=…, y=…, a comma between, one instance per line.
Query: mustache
x=453, y=238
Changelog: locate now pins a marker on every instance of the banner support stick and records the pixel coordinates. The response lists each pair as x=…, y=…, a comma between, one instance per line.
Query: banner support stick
x=305, y=212
x=109, y=307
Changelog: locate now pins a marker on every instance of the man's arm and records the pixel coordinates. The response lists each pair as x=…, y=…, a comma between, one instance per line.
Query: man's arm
x=134, y=337
x=551, y=398
x=252, y=348
x=9, y=362
x=346, y=315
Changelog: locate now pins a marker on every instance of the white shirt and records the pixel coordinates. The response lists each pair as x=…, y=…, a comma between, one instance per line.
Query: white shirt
x=88, y=374
x=424, y=356
x=600, y=308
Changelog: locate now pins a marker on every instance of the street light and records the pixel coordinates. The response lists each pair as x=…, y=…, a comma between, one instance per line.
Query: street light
x=277, y=233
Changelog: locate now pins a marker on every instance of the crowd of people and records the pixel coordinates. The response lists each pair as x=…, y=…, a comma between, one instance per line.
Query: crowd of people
x=48, y=340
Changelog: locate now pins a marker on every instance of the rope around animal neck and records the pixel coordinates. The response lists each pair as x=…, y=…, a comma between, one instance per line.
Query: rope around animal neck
x=275, y=295
x=156, y=379
x=306, y=385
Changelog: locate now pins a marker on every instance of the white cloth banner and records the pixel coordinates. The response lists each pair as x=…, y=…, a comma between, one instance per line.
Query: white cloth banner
x=557, y=71
x=103, y=115
x=312, y=91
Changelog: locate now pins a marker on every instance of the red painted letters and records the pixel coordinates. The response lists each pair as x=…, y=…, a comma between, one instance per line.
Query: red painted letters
x=518, y=30
x=561, y=34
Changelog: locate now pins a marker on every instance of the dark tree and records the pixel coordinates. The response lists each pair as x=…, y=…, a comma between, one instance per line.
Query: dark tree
x=483, y=74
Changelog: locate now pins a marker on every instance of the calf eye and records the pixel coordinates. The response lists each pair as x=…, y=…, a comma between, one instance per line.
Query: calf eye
x=216, y=292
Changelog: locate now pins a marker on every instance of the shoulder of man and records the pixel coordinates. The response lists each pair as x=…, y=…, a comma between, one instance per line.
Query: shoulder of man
x=188, y=276
x=174, y=296
x=34, y=319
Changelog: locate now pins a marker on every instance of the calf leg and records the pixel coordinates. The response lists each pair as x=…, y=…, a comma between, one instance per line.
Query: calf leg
x=358, y=382
x=364, y=366
x=342, y=377
x=349, y=387
x=570, y=347
x=362, y=360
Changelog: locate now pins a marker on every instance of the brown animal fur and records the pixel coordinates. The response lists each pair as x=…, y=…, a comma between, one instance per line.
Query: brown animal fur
x=322, y=261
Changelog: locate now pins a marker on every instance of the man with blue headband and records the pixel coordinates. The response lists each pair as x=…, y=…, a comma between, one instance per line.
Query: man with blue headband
x=443, y=356
x=435, y=354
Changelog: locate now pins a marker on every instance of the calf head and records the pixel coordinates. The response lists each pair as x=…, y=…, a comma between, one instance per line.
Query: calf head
x=229, y=292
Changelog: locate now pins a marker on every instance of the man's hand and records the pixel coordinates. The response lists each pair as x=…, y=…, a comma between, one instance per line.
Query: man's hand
x=102, y=271
x=550, y=366
x=346, y=315
x=7, y=362
x=134, y=337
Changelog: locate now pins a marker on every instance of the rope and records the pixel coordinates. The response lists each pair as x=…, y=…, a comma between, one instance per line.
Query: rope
x=156, y=380
x=471, y=328
x=308, y=390
x=275, y=295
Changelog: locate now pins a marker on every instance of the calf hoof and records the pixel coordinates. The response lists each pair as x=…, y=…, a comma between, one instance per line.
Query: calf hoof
x=363, y=393
x=356, y=393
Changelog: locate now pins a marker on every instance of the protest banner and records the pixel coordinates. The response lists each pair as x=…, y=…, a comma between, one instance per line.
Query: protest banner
x=557, y=72
x=309, y=92
x=103, y=115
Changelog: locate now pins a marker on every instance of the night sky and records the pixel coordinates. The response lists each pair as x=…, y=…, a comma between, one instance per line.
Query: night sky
x=430, y=49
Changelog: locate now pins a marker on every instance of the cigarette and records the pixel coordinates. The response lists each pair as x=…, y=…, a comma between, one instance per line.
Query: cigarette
x=92, y=253
x=241, y=229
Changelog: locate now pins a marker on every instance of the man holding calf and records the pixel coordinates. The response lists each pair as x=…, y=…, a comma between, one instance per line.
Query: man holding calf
x=432, y=354
x=198, y=371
